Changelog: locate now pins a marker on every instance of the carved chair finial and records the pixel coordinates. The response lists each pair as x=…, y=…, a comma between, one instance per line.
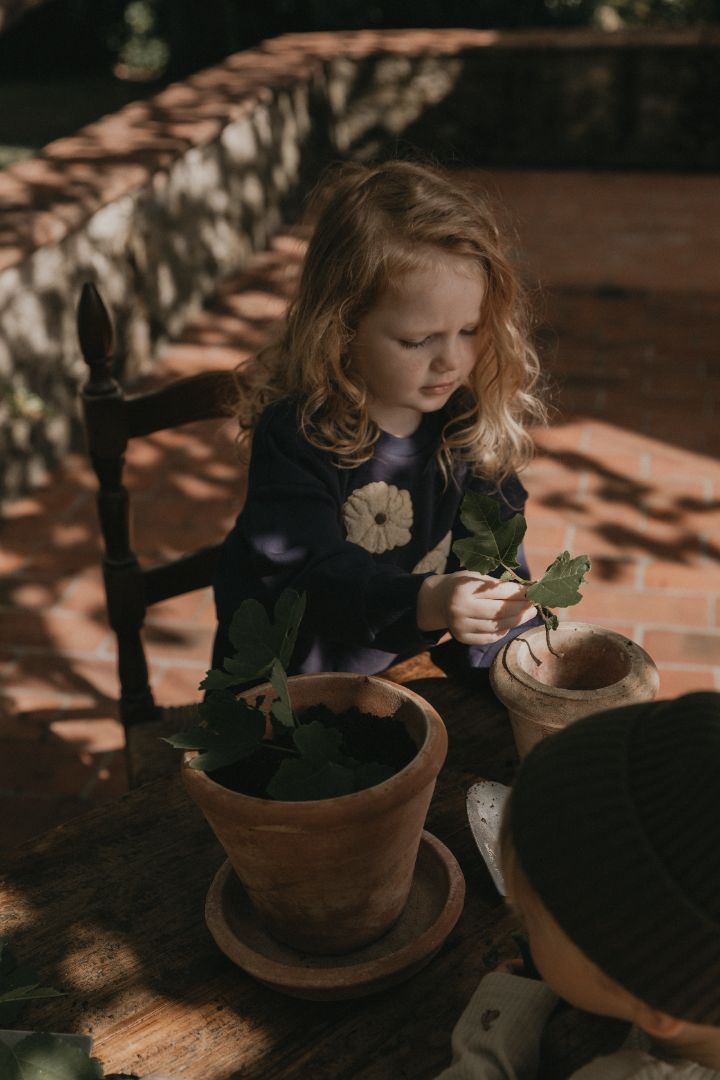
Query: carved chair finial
x=96, y=341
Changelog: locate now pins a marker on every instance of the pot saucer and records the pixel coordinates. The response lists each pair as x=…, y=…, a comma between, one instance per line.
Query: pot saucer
x=434, y=905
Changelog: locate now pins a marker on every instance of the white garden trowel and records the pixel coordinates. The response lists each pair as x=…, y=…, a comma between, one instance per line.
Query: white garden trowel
x=485, y=802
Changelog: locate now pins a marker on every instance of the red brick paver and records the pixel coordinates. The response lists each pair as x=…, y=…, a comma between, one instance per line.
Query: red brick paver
x=628, y=472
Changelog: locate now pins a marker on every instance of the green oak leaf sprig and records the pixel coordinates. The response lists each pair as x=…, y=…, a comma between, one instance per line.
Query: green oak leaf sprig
x=493, y=544
x=43, y=1056
x=314, y=764
x=18, y=985
x=40, y=1055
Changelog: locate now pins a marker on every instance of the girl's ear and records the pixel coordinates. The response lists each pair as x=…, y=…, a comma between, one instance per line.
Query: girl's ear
x=657, y=1024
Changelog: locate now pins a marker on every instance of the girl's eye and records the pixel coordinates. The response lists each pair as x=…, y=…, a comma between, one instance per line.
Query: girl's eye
x=470, y=331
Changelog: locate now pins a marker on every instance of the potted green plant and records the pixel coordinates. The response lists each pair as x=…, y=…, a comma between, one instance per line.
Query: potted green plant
x=317, y=786
x=555, y=673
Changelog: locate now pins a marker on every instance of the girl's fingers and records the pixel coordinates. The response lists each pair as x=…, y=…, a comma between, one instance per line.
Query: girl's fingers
x=483, y=610
x=480, y=639
x=492, y=589
x=473, y=631
x=484, y=585
x=509, y=613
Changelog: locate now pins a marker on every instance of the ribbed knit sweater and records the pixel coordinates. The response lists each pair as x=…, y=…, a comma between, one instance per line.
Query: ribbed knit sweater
x=498, y=1038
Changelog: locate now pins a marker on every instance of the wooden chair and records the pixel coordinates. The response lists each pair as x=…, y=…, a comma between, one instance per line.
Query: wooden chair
x=111, y=419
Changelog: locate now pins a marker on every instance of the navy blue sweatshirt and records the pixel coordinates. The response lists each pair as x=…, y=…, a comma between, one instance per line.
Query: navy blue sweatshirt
x=359, y=542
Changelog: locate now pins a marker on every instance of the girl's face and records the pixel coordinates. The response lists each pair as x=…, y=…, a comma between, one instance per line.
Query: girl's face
x=418, y=344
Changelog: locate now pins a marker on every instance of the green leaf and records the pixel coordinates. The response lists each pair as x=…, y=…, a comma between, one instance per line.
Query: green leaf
x=9, y=1013
x=300, y=779
x=219, y=680
x=192, y=739
x=558, y=587
x=370, y=773
x=236, y=668
x=220, y=707
x=253, y=640
x=42, y=1056
x=29, y=993
x=257, y=642
x=235, y=730
x=226, y=720
x=281, y=708
x=493, y=542
x=281, y=734
x=289, y=611
x=323, y=771
x=7, y=957
x=471, y=553
x=318, y=743
x=224, y=752
x=16, y=982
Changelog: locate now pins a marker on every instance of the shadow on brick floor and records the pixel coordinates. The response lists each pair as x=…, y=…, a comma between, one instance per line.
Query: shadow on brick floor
x=627, y=472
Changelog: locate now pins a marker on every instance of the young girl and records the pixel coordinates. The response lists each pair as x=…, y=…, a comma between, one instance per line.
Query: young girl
x=404, y=376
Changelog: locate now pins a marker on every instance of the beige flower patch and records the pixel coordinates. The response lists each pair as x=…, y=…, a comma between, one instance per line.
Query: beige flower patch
x=436, y=560
x=378, y=517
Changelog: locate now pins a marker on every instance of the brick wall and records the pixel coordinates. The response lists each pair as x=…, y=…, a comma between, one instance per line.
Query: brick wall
x=161, y=200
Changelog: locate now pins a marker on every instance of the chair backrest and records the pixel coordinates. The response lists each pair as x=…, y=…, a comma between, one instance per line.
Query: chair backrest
x=111, y=420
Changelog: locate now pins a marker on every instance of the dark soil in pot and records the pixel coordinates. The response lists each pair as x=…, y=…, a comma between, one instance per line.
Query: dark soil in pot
x=591, y=669
x=366, y=737
x=588, y=663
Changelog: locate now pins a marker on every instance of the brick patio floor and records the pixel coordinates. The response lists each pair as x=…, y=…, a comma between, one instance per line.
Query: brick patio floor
x=629, y=304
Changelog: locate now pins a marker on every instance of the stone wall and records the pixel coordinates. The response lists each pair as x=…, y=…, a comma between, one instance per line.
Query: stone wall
x=160, y=201
x=540, y=99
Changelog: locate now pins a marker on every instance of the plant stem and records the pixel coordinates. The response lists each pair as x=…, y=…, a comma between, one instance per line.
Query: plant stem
x=267, y=745
x=515, y=576
x=525, y=641
x=543, y=613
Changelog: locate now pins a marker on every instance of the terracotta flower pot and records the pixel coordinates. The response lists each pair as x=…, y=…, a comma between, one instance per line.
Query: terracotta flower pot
x=597, y=669
x=331, y=875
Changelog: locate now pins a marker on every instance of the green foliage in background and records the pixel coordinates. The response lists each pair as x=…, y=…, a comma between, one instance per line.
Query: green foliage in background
x=668, y=13
x=158, y=40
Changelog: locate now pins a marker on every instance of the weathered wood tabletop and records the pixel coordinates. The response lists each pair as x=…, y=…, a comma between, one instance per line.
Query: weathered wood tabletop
x=109, y=908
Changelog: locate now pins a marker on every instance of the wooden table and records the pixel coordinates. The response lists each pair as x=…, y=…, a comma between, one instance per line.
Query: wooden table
x=109, y=908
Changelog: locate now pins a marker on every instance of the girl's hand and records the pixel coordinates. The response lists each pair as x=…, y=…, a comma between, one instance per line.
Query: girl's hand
x=475, y=608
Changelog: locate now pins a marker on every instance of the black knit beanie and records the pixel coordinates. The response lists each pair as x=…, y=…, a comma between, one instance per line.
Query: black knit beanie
x=616, y=824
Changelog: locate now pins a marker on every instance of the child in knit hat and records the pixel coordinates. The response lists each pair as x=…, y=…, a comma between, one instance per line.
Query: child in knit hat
x=611, y=856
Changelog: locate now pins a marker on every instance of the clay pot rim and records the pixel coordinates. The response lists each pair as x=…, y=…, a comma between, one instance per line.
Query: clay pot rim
x=419, y=771
x=639, y=655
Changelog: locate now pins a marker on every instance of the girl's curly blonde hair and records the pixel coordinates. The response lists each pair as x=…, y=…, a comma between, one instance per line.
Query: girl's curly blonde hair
x=374, y=224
